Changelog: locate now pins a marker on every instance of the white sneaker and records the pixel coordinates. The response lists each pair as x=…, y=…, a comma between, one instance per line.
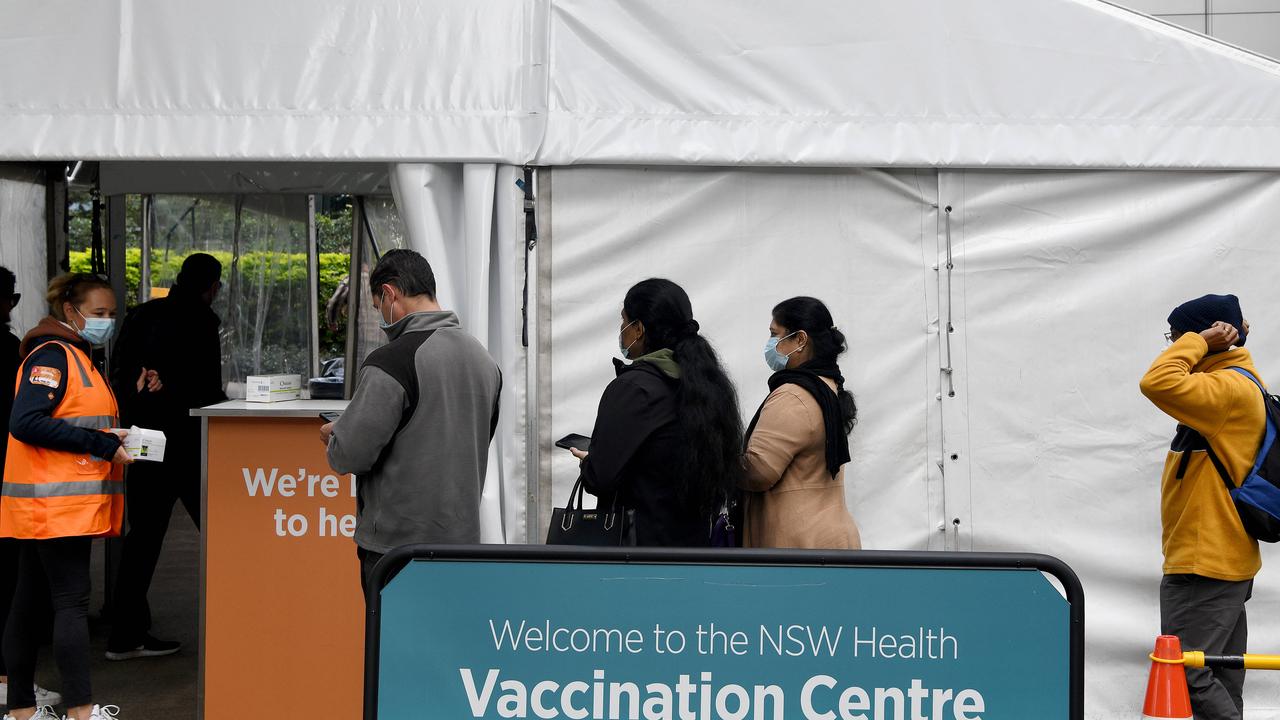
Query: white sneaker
x=42, y=713
x=105, y=712
x=44, y=696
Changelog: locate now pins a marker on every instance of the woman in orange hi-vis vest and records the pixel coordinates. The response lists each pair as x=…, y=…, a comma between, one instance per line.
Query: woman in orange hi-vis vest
x=62, y=488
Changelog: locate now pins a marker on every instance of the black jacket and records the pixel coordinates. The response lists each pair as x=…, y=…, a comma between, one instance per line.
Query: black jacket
x=9, y=360
x=177, y=336
x=636, y=449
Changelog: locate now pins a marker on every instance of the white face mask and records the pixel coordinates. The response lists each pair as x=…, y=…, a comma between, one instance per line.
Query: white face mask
x=626, y=350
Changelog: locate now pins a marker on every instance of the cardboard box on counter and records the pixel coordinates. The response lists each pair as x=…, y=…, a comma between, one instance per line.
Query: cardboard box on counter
x=272, y=388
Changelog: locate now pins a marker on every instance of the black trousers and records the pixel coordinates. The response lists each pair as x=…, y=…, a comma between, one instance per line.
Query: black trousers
x=151, y=489
x=57, y=569
x=1208, y=615
x=10, y=552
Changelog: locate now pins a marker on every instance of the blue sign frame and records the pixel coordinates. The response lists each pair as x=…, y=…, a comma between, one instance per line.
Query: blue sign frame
x=964, y=574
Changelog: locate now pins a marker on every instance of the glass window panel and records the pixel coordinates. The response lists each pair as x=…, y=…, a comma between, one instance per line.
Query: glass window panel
x=264, y=303
x=1245, y=6
x=1259, y=32
x=1190, y=22
x=384, y=232
x=1166, y=7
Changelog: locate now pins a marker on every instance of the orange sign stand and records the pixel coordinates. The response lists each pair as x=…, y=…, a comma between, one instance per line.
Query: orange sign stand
x=281, y=611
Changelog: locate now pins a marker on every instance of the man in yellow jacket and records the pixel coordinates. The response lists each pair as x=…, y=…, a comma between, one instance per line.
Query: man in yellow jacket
x=1209, y=559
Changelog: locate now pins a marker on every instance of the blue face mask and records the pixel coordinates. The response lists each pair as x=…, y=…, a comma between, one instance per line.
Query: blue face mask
x=626, y=349
x=774, y=359
x=383, y=322
x=97, y=331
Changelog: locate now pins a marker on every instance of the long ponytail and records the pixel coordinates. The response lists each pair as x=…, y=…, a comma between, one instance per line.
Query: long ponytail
x=707, y=402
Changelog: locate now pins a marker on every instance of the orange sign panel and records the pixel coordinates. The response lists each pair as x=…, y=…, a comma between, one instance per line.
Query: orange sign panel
x=283, y=614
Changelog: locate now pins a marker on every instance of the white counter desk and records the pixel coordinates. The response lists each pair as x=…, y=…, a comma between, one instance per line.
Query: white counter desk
x=288, y=408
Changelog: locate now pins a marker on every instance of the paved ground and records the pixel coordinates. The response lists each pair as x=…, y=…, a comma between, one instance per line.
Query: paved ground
x=150, y=688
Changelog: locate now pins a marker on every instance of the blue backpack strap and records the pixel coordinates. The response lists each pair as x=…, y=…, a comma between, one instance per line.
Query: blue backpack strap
x=1249, y=375
x=1270, y=436
x=1217, y=465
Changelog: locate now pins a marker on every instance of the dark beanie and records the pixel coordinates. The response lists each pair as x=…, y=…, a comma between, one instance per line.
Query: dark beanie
x=199, y=272
x=1200, y=314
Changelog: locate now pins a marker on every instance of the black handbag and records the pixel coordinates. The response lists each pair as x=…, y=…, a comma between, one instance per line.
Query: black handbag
x=572, y=525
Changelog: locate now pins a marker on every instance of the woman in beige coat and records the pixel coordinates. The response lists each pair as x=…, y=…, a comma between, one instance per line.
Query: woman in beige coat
x=798, y=442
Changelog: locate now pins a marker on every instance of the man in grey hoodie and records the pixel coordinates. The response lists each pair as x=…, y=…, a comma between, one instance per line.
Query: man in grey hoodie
x=416, y=434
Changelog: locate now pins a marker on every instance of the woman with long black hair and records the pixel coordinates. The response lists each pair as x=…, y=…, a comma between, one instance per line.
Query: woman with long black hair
x=798, y=442
x=668, y=433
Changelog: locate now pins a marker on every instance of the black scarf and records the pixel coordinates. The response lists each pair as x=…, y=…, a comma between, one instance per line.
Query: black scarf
x=809, y=377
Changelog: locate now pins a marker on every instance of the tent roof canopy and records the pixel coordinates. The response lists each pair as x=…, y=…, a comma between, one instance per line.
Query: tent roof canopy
x=996, y=83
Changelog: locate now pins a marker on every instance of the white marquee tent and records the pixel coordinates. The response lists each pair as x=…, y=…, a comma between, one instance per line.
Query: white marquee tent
x=1000, y=200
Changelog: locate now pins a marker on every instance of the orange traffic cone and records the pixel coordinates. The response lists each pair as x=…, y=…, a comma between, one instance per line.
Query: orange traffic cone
x=1167, y=697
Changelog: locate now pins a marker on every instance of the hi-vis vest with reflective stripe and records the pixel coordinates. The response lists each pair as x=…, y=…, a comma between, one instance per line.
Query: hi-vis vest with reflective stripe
x=52, y=493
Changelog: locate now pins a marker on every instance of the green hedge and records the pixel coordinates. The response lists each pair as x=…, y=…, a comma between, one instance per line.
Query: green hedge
x=281, y=270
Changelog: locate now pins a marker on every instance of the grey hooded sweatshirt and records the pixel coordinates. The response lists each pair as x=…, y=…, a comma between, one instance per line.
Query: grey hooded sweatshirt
x=417, y=433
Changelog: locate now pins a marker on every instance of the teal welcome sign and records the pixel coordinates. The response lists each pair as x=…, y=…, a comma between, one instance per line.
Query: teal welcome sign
x=601, y=635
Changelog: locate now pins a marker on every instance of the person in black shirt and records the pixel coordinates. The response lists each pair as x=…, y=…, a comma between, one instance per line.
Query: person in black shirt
x=9, y=358
x=9, y=549
x=177, y=337
x=668, y=432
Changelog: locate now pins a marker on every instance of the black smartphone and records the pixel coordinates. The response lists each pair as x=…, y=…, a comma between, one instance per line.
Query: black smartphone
x=576, y=441
x=330, y=416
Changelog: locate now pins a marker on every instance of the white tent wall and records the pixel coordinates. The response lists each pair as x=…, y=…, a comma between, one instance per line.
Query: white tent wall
x=739, y=241
x=1065, y=281
x=468, y=221
x=1061, y=285
x=23, y=243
